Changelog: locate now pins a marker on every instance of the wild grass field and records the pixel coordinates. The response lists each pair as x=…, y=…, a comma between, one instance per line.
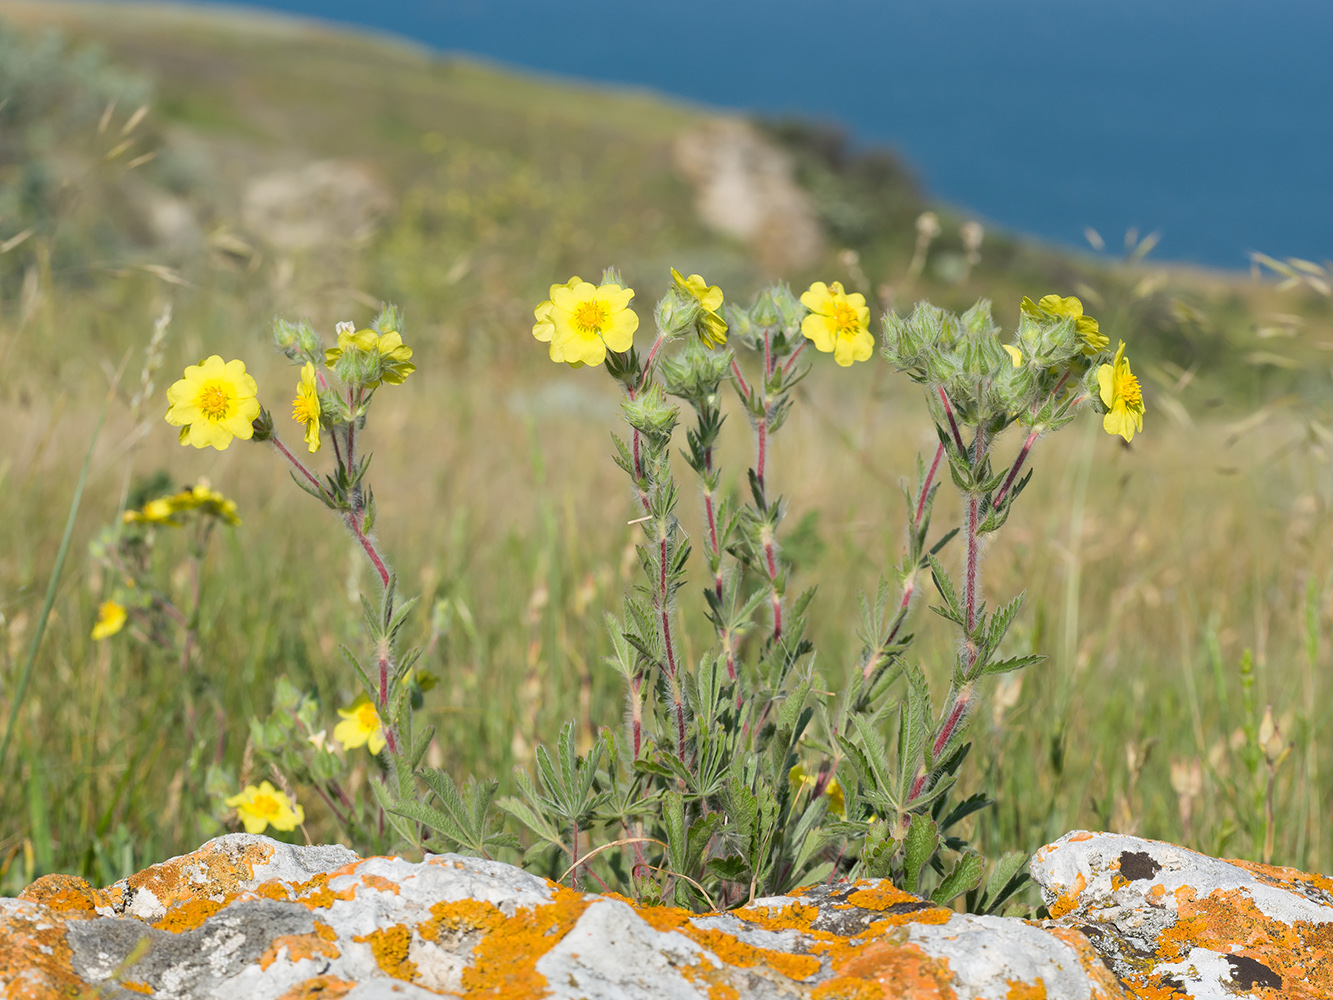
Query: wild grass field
x=1153, y=571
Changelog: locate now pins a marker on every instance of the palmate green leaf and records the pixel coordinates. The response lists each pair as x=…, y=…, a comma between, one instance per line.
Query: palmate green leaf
x=965, y=876
x=919, y=847
x=732, y=868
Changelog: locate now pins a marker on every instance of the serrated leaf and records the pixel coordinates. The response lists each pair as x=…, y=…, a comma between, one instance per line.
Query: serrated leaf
x=920, y=845
x=966, y=875
x=1013, y=663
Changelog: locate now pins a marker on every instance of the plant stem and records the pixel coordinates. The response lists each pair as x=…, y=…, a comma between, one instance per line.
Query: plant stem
x=925, y=486
x=953, y=421
x=1018, y=465
x=299, y=466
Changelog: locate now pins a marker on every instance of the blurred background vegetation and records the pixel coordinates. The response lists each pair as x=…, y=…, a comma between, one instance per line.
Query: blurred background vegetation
x=284, y=168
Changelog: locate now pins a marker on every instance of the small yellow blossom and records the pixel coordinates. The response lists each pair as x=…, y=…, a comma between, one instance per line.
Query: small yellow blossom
x=544, y=328
x=266, y=806
x=589, y=320
x=1086, y=328
x=213, y=403
x=204, y=499
x=361, y=724
x=1015, y=355
x=159, y=511
x=838, y=322
x=305, y=407
x=797, y=778
x=110, y=620
x=1123, y=396
x=394, y=354
x=712, y=327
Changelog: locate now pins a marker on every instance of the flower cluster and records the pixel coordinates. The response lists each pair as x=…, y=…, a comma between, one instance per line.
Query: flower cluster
x=201, y=498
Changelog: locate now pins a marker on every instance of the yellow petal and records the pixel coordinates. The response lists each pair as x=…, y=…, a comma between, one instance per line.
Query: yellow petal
x=1014, y=353
x=820, y=329
x=1105, y=378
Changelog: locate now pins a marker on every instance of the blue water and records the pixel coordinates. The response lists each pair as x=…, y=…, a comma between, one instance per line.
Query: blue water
x=1209, y=120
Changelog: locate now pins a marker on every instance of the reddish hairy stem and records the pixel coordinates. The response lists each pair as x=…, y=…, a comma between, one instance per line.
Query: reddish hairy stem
x=925, y=486
x=786, y=369
x=648, y=364
x=740, y=380
x=299, y=466
x=953, y=422
x=761, y=448
x=955, y=716
x=1018, y=464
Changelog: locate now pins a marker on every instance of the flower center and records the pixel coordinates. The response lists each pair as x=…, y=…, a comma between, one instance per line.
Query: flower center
x=265, y=805
x=367, y=718
x=214, y=401
x=844, y=318
x=1127, y=388
x=589, y=317
x=305, y=408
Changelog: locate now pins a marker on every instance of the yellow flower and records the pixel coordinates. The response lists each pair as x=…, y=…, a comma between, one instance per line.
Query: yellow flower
x=1123, y=396
x=213, y=403
x=797, y=778
x=394, y=354
x=544, y=328
x=110, y=620
x=202, y=497
x=1015, y=355
x=590, y=319
x=1094, y=342
x=361, y=724
x=266, y=806
x=159, y=511
x=305, y=407
x=838, y=322
x=712, y=327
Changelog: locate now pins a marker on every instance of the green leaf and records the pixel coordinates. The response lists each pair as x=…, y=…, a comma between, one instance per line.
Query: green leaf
x=1013, y=663
x=1008, y=875
x=923, y=840
x=732, y=868
x=965, y=876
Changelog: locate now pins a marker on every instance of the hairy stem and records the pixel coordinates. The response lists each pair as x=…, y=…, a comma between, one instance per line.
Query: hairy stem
x=953, y=421
x=1018, y=465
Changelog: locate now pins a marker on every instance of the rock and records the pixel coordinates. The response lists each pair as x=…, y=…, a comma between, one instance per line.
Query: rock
x=323, y=202
x=1174, y=923
x=744, y=189
x=248, y=917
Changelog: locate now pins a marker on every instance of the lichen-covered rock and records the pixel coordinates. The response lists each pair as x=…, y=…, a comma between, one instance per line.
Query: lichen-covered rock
x=1174, y=923
x=248, y=918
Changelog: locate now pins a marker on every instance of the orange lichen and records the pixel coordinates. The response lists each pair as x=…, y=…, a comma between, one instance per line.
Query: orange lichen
x=1080, y=836
x=735, y=952
x=390, y=946
x=379, y=882
x=319, y=988
x=67, y=894
x=210, y=871
x=1118, y=882
x=35, y=958
x=505, y=960
x=902, y=970
x=134, y=986
x=847, y=988
x=1069, y=900
x=1019, y=990
x=190, y=914
x=880, y=897
x=299, y=946
x=315, y=894
x=463, y=916
x=273, y=889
